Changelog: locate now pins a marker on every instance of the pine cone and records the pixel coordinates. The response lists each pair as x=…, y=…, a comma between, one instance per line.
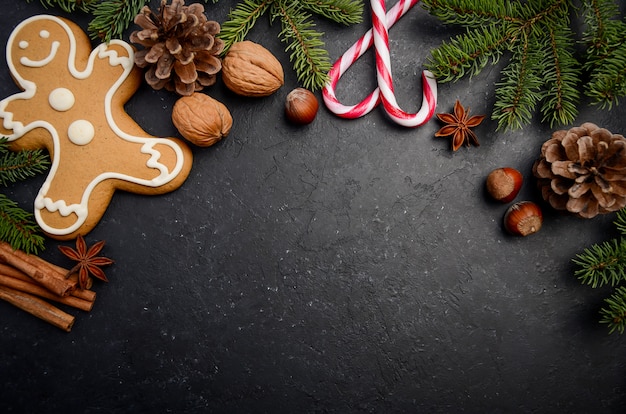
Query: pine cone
x=583, y=170
x=181, y=52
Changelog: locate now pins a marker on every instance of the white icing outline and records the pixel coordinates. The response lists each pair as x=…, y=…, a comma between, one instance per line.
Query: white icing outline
x=29, y=90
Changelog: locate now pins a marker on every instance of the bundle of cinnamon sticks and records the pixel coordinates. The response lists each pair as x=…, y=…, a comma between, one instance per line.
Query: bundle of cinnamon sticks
x=27, y=280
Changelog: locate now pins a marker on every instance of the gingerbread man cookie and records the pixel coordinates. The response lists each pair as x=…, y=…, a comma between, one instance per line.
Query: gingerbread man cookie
x=72, y=104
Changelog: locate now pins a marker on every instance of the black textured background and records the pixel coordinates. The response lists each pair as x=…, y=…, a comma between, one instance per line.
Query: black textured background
x=345, y=266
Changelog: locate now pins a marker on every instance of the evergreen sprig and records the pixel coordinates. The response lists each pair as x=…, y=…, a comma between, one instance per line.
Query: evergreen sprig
x=543, y=72
x=614, y=315
x=68, y=5
x=20, y=165
x=536, y=35
x=111, y=18
x=604, y=264
x=305, y=46
x=605, y=37
x=17, y=226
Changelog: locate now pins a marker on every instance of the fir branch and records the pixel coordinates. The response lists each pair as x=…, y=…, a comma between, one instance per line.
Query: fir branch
x=471, y=13
x=615, y=314
x=539, y=37
x=602, y=264
x=18, y=228
x=468, y=53
x=608, y=81
x=620, y=221
x=560, y=78
x=112, y=17
x=603, y=32
x=241, y=20
x=304, y=43
x=605, y=38
x=16, y=225
x=309, y=58
x=518, y=92
x=345, y=12
x=68, y=5
x=20, y=165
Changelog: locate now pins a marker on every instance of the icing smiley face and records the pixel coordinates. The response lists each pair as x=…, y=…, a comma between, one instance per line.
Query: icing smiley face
x=72, y=104
x=24, y=45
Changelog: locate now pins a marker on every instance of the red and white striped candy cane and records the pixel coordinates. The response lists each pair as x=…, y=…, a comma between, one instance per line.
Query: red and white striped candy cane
x=371, y=101
x=385, y=80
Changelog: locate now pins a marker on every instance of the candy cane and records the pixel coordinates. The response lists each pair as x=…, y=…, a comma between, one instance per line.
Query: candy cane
x=383, y=69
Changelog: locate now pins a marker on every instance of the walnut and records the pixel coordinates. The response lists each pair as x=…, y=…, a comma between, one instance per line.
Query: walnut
x=249, y=69
x=201, y=119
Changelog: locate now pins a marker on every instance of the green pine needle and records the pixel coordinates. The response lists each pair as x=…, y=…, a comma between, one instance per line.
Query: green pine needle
x=111, y=18
x=305, y=46
x=549, y=81
x=18, y=228
x=605, y=37
x=68, y=5
x=602, y=264
x=614, y=315
x=241, y=20
x=16, y=225
x=20, y=165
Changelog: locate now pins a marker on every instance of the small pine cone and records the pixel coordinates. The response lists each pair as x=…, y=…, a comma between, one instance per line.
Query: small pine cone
x=181, y=52
x=583, y=170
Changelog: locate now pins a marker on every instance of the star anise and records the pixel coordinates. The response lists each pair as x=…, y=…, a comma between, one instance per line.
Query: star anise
x=88, y=261
x=458, y=125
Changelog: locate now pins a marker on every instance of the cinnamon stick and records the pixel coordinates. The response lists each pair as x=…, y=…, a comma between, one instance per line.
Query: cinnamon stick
x=61, y=271
x=6, y=270
x=44, y=274
x=38, y=307
x=34, y=289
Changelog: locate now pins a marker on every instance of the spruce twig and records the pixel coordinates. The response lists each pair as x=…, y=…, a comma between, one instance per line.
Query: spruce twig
x=604, y=264
x=17, y=226
x=307, y=54
x=605, y=37
x=18, y=166
x=305, y=46
x=112, y=17
x=68, y=6
x=614, y=315
x=519, y=29
x=538, y=39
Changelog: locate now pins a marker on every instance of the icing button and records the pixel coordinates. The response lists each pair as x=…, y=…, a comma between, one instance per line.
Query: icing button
x=81, y=132
x=61, y=99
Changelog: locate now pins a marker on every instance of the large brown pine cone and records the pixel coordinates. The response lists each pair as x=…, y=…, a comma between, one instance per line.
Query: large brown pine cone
x=583, y=170
x=181, y=52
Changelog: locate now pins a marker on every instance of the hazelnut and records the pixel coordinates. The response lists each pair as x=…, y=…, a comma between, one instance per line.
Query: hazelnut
x=301, y=106
x=503, y=184
x=523, y=218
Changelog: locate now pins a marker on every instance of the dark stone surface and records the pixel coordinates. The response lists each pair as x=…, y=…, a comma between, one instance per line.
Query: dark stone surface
x=345, y=266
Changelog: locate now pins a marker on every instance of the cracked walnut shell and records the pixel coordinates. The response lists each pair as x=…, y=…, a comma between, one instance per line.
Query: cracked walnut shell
x=201, y=119
x=249, y=69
